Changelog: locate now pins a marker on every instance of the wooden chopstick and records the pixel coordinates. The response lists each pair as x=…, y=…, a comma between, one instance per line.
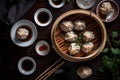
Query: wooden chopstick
x=48, y=69
x=44, y=77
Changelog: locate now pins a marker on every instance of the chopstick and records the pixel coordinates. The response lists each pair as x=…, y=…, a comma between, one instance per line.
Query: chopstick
x=49, y=71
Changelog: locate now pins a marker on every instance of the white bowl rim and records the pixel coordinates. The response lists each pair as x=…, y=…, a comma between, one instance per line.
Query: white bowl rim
x=42, y=53
x=22, y=71
x=13, y=33
x=83, y=7
x=43, y=10
x=108, y=1
x=56, y=6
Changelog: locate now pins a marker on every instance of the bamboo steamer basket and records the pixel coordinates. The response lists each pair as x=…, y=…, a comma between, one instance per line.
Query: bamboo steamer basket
x=93, y=23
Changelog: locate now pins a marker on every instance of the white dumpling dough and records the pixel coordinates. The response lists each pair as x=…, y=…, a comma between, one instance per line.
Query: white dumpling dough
x=22, y=33
x=84, y=72
x=70, y=36
x=67, y=26
x=87, y=47
x=88, y=36
x=105, y=8
x=74, y=48
x=80, y=25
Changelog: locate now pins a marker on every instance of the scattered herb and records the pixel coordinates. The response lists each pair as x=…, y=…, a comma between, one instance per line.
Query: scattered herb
x=111, y=58
x=79, y=39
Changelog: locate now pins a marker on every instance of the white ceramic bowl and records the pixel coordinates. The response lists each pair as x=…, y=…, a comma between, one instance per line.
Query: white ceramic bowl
x=16, y=26
x=111, y=16
x=56, y=6
x=20, y=68
x=85, y=4
x=40, y=11
x=42, y=52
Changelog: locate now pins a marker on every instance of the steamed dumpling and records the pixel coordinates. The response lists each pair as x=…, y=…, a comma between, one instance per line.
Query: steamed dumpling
x=105, y=8
x=70, y=36
x=87, y=47
x=22, y=33
x=84, y=72
x=67, y=26
x=88, y=36
x=74, y=48
x=80, y=25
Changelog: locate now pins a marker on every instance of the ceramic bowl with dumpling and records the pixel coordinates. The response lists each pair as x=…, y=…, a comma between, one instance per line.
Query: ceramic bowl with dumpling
x=23, y=33
x=78, y=35
x=107, y=11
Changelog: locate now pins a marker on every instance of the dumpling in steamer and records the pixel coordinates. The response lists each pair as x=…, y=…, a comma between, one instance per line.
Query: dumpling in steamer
x=70, y=36
x=74, y=48
x=87, y=47
x=80, y=25
x=67, y=26
x=105, y=8
x=88, y=36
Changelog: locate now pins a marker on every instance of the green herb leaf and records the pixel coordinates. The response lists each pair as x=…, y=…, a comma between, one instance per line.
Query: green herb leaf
x=101, y=69
x=118, y=78
x=105, y=50
x=117, y=42
x=114, y=34
x=105, y=57
x=79, y=37
x=111, y=62
x=118, y=61
x=115, y=51
x=107, y=62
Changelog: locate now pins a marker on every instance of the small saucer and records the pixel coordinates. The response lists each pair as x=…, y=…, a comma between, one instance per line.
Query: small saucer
x=32, y=65
x=58, y=5
x=85, y=4
x=113, y=16
x=49, y=17
x=42, y=48
x=33, y=31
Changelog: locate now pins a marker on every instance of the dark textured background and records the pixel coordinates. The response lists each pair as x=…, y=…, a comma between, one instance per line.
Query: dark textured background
x=10, y=53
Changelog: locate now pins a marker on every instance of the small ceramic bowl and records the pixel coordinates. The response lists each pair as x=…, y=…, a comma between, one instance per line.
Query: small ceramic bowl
x=43, y=17
x=32, y=33
x=56, y=4
x=42, y=48
x=110, y=17
x=85, y=4
x=26, y=65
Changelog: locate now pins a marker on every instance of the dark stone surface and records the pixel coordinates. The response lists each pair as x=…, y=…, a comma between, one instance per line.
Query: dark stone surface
x=10, y=53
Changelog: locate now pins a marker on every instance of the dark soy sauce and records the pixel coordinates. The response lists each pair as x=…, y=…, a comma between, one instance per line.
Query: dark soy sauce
x=27, y=65
x=43, y=17
x=57, y=2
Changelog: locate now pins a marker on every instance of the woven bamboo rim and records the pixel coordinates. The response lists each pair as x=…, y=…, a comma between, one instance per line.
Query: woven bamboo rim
x=87, y=14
